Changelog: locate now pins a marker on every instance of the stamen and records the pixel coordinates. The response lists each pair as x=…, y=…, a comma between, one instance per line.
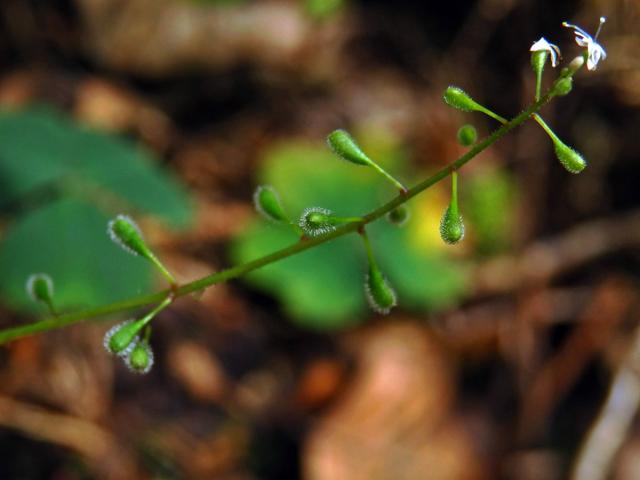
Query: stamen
x=602, y=20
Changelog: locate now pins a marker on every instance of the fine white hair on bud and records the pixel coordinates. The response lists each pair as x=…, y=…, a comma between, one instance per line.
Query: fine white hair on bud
x=126, y=233
x=39, y=286
x=316, y=221
x=118, y=341
x=267, y=203
x=380, y=296
x=140, y=359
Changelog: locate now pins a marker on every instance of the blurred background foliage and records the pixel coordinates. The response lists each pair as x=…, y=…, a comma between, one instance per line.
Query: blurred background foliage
x=66, y=182
x=499, y=357
x=323, y=288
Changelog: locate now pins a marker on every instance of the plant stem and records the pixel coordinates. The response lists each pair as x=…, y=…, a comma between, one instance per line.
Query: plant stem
x=538, y=83
x=454, y=194
x=493, y=115
x=388, y=176
x=162, y=268
x=367, y=247
x=338, y=220
x=545, y=127
x=240, y=270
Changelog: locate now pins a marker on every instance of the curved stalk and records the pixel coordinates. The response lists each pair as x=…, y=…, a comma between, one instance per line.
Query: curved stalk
x=237, y=271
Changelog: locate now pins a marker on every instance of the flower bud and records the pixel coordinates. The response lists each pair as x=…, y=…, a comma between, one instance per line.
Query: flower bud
x=40, y=288
x=379, y=293
x=467, y=135
x=346, y=148
x=563, y=86
x=577, y=63
x=122, y=338
x=569, y=158
x=399, y=215
x=126, y=233
x=140, y=358
x=458, y=98
x=451, y=226
x=316, y=221
x=267, y=203
x=538, y=59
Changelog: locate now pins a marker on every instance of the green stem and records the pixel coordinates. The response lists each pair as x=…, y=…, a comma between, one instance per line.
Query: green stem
x=545, y=127
x=150, y=316
x=454, y=193
x=388, y=176
x=367, y=247
x=162, y=268
x=338, y=220
x=51, y=308
x=538, y=83
x=493, y=115
x=239, y=270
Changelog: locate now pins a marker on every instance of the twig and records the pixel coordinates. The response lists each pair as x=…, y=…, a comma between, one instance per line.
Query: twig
x=240, y=270
x=609, y=430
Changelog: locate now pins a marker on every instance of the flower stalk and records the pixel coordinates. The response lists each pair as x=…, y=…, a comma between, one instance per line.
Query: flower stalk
x=63, y=320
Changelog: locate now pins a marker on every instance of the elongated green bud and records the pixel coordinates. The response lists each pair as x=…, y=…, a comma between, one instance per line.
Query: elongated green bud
x=378, y=292
x=451, y=224
x=571, y=160
x=267, y=203
x=538, y=59
x=451, y=227
x=140, y=358
x=346, y=148
x=467, y=135
x=40, y=288
x=399, y=215
x=458, y=98
x=316, y=221
x=380, y=295
x=563, y=86
x=122, y=338
x=126, y=233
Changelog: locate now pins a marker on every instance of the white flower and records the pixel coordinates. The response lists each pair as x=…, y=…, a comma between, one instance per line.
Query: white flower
x=543, y=46
x=595, y=52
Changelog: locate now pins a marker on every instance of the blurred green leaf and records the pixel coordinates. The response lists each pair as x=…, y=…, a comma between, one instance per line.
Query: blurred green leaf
x=323, y=287
x=89, y=177
x=41, y=147
x=67, y=240
x=322, y=9
x=489, y=206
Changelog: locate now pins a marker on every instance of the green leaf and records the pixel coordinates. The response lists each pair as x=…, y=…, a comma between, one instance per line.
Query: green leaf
x=70, y=181
x=67, y=240
x=489, y=202
x=41, y=147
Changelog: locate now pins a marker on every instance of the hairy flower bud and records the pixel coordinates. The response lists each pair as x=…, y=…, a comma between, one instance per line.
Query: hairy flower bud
x=140, y=358
x=571, y=160
x=346, y=148
x=40, y=288
x=458, y=98
x=267, y=203
x=467, y=135
x=399, y=215
x=316, y=221
x=123, y=337
x=451, y=226
x=380, y=295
